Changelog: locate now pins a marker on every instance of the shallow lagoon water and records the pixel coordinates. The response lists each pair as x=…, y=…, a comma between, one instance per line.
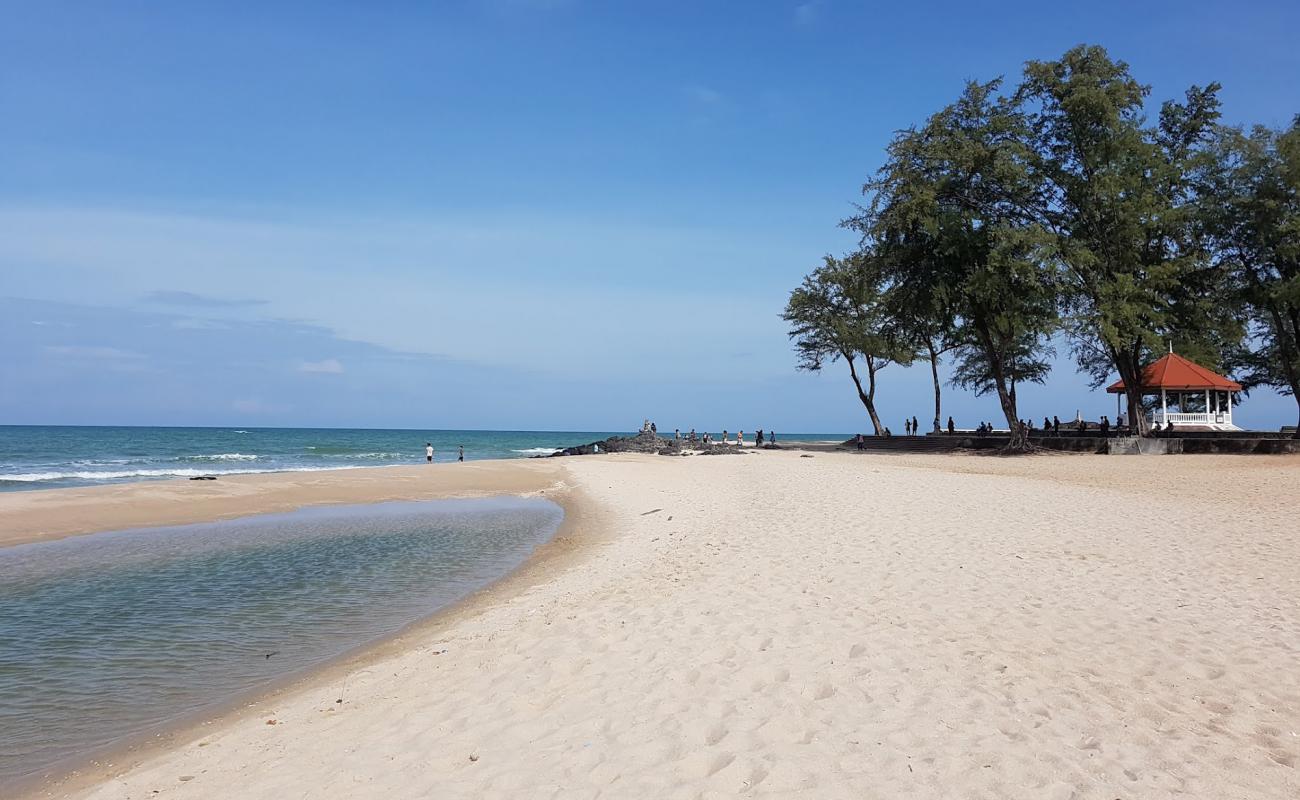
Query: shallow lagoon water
x=109, y=635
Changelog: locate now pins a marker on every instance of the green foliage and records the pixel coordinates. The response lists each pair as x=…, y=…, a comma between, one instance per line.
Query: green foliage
x=1061, y=206
x=1250, y=195
x=1118, y=194
x=951, y=224
x=839, y=313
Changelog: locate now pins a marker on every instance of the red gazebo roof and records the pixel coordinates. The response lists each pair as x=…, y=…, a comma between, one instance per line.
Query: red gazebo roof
x=1177, y=373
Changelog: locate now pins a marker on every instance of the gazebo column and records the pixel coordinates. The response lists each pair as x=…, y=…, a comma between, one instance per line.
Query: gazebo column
x=1164, y=407
x=1208, y=418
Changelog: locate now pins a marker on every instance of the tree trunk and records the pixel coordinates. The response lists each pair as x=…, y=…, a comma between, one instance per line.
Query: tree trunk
x=868, y=398
x=1128, y=364
x=1006, y=392
x=934, y=376
x=1019, y=441
x=1287, y=343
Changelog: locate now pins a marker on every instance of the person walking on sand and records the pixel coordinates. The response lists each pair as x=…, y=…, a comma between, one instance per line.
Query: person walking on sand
x=1056, y=425
x=460, y=453
x=428, y=452
x=740, y=438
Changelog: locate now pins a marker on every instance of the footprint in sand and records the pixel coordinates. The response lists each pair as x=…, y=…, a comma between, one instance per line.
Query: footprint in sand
x=720, y=763
x=716, y=734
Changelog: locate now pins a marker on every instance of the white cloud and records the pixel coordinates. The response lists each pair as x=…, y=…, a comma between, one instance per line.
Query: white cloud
x=537, y=291
x=704, y=95
x=808, y=13
x=330, y=366
x=92, y=352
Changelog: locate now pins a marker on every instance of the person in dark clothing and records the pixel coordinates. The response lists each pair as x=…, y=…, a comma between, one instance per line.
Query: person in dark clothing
x=858, y=441
x=952, y=428
x=916, y=430
x=460, y=452
x=1056, y=425
x=758, y=440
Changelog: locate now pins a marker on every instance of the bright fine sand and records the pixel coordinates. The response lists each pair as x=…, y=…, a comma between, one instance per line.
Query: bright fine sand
x=836, y=626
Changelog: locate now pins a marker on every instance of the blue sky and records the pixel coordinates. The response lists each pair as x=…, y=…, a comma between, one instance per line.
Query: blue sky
x=496, y=213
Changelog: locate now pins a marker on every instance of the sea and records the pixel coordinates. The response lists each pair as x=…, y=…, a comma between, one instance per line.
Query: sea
x=112, y=637
x=48, y=457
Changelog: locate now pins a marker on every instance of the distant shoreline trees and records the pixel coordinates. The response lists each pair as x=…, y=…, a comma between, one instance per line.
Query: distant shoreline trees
x=1057, y=207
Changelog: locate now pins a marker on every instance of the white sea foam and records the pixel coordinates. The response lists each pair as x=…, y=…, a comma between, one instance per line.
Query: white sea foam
x=114, y=475
x=539, y=450
x=222, y=457
x=375, y=455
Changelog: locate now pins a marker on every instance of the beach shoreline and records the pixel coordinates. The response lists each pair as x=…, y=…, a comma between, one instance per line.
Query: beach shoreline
x=88, y=770
x=828, y=623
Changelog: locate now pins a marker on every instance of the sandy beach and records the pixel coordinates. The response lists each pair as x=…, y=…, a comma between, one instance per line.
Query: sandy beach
x=833, y=626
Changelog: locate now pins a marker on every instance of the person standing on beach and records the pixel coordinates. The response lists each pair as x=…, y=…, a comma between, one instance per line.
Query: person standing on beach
x=724, y=436
x=758, y=440
x=740, y=438
x=428, y=452
x=951, y=427
x=460, y=453
x=916, y=430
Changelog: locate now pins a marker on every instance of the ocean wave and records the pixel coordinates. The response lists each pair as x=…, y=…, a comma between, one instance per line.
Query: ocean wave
x=221, y=457
x=114, y=475
x=538, y=450
x=374, y=455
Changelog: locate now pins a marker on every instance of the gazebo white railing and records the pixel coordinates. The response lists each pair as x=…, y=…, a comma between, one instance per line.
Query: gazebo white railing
x=1159, y=417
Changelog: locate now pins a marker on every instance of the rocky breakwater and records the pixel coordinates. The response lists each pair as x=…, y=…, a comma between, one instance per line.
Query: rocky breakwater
x=646, y=442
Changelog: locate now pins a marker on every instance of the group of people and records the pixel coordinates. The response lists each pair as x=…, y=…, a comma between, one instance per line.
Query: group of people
x=759, y=438
x=1053, y=426
x=428, y=452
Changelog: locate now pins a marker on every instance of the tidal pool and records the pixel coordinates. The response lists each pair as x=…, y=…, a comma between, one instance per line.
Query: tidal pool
x=113, y=634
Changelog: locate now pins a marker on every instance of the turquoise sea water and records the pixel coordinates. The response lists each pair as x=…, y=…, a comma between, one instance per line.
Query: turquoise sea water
x=42, y=457
x=111, y=635
x=45, y=457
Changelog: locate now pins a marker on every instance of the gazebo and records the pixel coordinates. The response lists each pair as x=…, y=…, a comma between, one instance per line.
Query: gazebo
x=1203, y=398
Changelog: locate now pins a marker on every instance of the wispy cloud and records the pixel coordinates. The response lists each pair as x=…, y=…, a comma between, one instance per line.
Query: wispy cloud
x=92, y=352
x=809, y=13
x=193, y=300
x=329, y=366
x=703, y=95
